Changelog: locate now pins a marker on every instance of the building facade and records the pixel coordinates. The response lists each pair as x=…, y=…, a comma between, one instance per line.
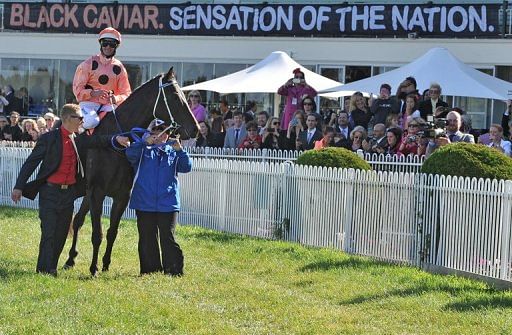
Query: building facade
x=42, y=43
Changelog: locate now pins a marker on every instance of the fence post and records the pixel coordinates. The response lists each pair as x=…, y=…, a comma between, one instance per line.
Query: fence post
x=419, y=216
x=349, y=208
x=505, y=230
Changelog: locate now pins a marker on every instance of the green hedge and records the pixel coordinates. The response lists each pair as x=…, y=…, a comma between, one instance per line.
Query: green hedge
x=469, y=160
x=333, y=157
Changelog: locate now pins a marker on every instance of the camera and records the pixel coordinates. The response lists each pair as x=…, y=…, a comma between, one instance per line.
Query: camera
x=434, y=128
x=411, y=139
x=294, y=122
x=296, y=80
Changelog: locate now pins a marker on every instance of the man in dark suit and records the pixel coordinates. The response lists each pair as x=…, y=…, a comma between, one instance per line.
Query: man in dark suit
x=307, y=138
x=343, y=130
x=429, y=106
x=59, y=182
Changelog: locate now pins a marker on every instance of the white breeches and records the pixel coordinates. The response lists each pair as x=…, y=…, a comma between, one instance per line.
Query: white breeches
x=89, y=110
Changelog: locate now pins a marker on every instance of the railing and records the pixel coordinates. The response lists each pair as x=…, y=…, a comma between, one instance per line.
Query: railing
x=454, y=223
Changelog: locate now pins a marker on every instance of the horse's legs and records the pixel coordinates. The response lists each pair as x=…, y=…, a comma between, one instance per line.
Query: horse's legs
x=78, y=222
x=96, y=207
x=117, y=210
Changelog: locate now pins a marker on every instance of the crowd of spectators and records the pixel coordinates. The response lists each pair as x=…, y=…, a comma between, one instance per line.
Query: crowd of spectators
x=406, y=123
x=13, y=128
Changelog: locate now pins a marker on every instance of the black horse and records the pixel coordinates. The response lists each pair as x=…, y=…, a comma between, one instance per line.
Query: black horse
x=108, y=172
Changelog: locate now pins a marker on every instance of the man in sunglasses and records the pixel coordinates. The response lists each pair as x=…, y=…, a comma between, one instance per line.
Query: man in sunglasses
x=101, y=81
x=59, y=181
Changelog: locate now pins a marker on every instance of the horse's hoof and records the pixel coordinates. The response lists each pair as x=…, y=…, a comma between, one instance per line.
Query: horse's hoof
x=93, y=271
x=73, y=254
x=104, y=268
x=68, y=265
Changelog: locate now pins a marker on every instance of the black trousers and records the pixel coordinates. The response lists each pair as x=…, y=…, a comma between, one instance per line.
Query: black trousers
x=55, y=213
x=152, y=226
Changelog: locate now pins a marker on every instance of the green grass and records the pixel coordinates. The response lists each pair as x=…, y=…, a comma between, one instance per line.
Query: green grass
x=234, y=285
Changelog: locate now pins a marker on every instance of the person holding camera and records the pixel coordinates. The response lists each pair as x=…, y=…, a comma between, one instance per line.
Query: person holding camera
x=253, y=139
x=453, y=134
x=297, y=125
x=156, y=198
x=273, y=137
x=377, y=144
x=411, y=142
x=295, y=89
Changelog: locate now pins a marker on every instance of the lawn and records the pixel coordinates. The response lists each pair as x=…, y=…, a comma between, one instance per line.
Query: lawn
x=234, y=285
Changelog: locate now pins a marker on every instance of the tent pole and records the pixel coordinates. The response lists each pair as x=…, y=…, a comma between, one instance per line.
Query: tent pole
x=277, y=102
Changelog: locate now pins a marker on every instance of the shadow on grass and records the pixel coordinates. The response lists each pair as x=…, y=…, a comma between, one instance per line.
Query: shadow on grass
x=215, y=236
x=497, y=300
x=11, y=269
x=352, y=262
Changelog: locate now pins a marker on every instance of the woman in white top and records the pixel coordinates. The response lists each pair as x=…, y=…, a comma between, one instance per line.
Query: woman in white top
x=497, y=141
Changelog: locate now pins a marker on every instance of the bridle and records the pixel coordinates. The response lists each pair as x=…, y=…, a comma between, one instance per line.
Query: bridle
x=172, y=124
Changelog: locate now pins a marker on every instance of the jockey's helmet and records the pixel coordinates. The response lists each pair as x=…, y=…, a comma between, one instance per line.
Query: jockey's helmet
x=110, y=34
x=157, y=125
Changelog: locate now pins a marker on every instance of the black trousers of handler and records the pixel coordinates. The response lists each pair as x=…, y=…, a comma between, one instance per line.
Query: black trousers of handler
x=151, y=226
x=55, y=213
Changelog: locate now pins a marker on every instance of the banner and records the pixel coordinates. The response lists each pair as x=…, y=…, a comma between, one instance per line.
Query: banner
x=440, y=21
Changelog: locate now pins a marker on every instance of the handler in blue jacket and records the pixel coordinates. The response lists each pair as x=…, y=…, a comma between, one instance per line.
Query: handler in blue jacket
x=156, y=199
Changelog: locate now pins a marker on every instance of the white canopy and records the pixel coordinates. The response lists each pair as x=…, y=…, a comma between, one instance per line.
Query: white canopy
x=437, y=65
x=266, y=76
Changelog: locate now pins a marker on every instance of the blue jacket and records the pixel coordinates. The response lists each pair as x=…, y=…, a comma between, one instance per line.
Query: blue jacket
x=156, y=188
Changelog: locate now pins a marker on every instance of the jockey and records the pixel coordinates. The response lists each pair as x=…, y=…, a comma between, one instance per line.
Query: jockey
x=101, y=81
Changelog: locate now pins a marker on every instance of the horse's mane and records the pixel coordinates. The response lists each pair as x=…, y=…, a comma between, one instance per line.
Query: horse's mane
x=141, y=88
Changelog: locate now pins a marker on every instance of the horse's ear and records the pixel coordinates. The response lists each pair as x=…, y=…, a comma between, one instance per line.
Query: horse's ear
x=170, y=74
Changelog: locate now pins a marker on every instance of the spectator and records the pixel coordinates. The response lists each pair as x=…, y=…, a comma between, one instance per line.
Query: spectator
x=453, y=134
x=207, y=138
x=342, y=129
x=429, y=106
x=411, y=141
x=101, y=82
x=407, y=87
x=236, y=133
x=273, y=136
x=306, y=138
x=296, y=126
x=309, y=107
x=3, y=101
x=14, y=104
x=393, y=121
x=25, y=100
x=377, y=143
x=357, y=136
x=216, y=121
x=253, y=139
x=50, y=119
x=194, y=102
x=295, y=89
x=506, y=123
x=384, y=105
x=156, y=200
x=410, y=111
x=227, y=115
x=497, y=141
x=250, y=113
x=327, y=140
x=261, y=120
x=30, y=130
x=41, y=125
x=394, y=137
x=359, y=111
x=3, y=125
x=13, y=131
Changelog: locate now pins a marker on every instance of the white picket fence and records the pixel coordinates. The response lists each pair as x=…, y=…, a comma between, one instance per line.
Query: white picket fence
x=454, y=223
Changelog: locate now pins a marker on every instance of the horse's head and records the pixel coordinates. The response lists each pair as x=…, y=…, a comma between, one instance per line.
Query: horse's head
x=171, y=105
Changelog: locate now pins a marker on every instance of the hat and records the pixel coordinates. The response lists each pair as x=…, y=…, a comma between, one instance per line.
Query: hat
x=298, y=70
x=110, y=33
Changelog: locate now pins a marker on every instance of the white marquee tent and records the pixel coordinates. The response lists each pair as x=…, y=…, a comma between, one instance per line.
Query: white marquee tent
x=437, y=65
x=266, y=76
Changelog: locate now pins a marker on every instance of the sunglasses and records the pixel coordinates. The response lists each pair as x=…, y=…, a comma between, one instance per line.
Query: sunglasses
x=252, y=129
x=275, y=123
x=308, y=104
x=111, y=44
x=414, y=125
x=81, y=118
x=48, y=119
